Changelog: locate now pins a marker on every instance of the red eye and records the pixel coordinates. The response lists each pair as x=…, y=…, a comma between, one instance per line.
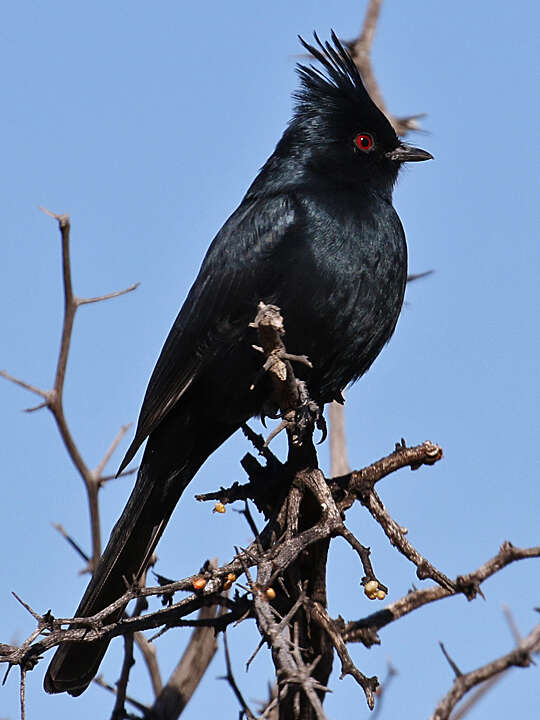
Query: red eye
x=364, y=141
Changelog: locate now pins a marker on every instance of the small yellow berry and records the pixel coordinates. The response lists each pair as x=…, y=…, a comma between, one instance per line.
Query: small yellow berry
x=371, y=587
x=220, y=508
x=381, y=594
x=198, y=583
x=270, y=593
x=231, y=577
x=227, y=585
x=372, y=595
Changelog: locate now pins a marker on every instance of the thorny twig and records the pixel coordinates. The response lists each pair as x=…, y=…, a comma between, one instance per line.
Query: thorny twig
x=54, y=399
x=171, y=616
x=360, y=49
x=229, y=677
x=519, y=657
x=369, y=685
x=290, y=666
x=469, y=585
x=484, y=687
x=274, y=558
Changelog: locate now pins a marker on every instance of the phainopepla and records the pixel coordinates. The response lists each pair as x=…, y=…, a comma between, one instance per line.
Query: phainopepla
x=316, y=235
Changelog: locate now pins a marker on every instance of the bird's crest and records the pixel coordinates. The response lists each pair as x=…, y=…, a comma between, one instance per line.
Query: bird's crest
x=337, y=88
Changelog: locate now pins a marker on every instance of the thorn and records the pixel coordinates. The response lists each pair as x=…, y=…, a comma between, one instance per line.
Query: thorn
x=36, y=407
x=27, y=607
x=452, y=664
x=8, y=670
x=282, y=425
x=49, y=212
x=419, y=276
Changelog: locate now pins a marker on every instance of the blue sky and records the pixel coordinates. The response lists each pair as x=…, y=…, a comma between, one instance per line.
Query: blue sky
x=147, y=122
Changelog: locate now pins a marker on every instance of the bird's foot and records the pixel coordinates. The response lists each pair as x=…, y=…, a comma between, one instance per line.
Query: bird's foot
x=307, y=416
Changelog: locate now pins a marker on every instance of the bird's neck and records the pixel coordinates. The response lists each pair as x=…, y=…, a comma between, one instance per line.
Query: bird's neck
x=291, y=172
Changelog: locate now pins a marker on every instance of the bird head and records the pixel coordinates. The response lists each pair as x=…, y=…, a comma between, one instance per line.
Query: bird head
x=337, y=129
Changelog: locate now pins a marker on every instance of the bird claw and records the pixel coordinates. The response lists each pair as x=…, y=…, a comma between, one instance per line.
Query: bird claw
x=308, y=416
x=322, y=426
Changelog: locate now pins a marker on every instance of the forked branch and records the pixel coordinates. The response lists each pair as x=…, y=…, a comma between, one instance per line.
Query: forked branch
x=53, y=399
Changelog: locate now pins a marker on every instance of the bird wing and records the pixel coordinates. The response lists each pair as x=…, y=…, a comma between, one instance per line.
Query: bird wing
x=238, y=264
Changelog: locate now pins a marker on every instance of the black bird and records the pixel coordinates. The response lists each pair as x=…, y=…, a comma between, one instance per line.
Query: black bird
x=317, y=235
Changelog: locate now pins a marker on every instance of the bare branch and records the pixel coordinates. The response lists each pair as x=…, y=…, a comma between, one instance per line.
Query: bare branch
x=520, y=657
x=75, y=545
x=149, y=654
x=485, y=687
x=107, y=478
x=22, y=694
x=27, y=607
x=107, y=296
x=187, y=675
x=360, y=50
x=477, y=695
x=368, y=685
x=414, y=457
x=117, y=440
x=119, y=711
x=27, y=386
x=424, y=569
x=291, y=668
x=53, y=399
x=468, y=584
x=98, y=680
x=370, y=24
x=229, y=677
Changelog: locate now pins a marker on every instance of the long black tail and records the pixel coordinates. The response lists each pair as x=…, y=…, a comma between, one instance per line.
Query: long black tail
x=174, y=453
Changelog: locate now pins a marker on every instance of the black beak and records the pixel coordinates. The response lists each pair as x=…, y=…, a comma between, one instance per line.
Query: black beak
x=406, y=153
